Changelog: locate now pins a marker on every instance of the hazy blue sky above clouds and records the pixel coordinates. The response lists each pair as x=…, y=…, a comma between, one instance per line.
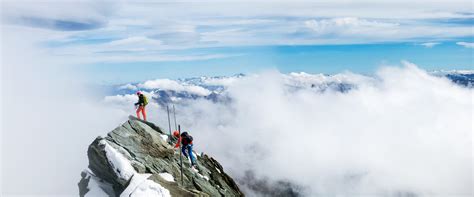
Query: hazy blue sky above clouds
x=117, y=41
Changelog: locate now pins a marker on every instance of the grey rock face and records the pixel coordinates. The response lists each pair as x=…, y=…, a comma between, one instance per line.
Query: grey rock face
x=147, y=150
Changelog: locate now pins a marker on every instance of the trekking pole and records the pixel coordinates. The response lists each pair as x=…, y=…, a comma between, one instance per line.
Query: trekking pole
x=169, y=121
x=174, y=114
x=180, y=155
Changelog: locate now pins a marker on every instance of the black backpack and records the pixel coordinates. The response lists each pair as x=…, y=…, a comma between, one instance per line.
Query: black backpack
x=187, y=139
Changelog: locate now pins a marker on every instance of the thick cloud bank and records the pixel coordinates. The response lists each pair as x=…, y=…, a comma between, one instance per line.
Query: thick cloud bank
x=49, y=117
x=402, y=132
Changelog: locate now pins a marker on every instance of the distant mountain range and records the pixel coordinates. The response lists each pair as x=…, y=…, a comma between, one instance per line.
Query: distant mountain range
x=465, y=78
x=165, y=91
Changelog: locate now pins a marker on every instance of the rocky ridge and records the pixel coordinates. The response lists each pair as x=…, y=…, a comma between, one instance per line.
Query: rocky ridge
x=137, y=159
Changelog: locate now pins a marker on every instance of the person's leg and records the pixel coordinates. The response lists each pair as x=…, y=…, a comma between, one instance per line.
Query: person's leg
x=183, y=149
x=144, y=113
x=191, y=155
x=138, y=111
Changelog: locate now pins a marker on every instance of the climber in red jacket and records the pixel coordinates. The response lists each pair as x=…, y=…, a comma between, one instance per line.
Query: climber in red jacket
x=186, y=141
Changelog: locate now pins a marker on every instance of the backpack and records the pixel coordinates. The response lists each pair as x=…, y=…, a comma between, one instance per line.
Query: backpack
x=145, y=100
x=187, y=138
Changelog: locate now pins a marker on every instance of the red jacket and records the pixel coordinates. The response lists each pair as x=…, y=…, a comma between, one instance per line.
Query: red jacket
x=181, y=140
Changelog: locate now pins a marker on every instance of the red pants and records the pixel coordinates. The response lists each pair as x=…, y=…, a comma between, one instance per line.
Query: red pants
x=141, y=109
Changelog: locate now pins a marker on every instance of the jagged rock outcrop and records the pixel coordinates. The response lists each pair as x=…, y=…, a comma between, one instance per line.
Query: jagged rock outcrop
x=137, y=159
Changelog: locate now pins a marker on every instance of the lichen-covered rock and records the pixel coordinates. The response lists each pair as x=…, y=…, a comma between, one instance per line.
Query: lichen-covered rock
x=141, y=149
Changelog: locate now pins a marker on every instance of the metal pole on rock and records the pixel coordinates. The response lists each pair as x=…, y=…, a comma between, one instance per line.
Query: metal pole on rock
x=180, y=155
x=174, y=114
x=169, y=121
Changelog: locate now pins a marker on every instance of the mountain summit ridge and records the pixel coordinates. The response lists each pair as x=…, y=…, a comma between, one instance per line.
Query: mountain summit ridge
x=138, y=159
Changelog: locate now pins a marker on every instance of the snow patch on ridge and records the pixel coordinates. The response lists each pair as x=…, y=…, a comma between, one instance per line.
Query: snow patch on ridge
x=150, y=188
x=120, y=164
x=139, y=184
x=94, y=187
x=164, y=137
x=167, y=176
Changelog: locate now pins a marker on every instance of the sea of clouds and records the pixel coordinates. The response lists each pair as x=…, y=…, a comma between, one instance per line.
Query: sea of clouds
x=402, y=132
x=399, y=132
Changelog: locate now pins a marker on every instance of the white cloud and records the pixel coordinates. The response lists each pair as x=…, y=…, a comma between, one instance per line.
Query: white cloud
x=128, y=87
x=321, y=80
x=394, y=133
x=135, y=49
x=224, y=81
x=357, y=30
x=167, y=84
x=86, y=11
x=143, y=31
x=466, y=44
x=45, y=138
x=129, y=44
x=128, y=22
x=126, y=102
x=356, y=143
x=430, y=44
x=136, y=40
x=348, y=25
x=121, y=100
x=119, y=58
x=365, y=133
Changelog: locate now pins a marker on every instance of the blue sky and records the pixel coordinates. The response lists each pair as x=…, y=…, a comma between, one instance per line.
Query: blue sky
x=123, y=41
x=330, y=59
